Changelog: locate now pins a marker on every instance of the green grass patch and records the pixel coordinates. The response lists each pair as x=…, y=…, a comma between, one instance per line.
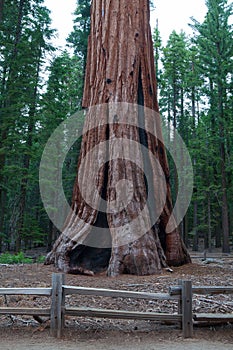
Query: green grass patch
x=40, y=259
x=8, y=258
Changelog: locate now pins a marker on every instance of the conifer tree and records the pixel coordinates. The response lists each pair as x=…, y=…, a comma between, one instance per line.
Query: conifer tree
x=216, y=50
x=25, y=35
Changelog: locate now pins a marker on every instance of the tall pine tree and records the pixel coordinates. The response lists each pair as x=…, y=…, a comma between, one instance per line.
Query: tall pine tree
x=216, y=51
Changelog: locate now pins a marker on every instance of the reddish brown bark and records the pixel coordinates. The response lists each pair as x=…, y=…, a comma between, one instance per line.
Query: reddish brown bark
x=120, y=68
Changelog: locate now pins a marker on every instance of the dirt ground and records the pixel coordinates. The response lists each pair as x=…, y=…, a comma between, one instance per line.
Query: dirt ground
x=24, y=340
x=21, y=333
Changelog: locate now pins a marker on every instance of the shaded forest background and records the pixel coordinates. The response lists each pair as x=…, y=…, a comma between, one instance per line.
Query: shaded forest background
x=41, y=86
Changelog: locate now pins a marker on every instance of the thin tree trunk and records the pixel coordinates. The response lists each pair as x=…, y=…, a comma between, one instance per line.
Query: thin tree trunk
x=209, y=224
x=195, y=236
x=120, y=68
x=218, y=235
x=195, y=203
x=225, y=218
x=1, y=10
x=2, y=161
x=52, y=235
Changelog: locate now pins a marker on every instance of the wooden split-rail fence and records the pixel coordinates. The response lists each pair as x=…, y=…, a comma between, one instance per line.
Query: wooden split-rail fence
x=59, y=310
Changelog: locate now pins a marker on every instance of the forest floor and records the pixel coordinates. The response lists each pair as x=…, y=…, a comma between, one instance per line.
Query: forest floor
x=21, y=333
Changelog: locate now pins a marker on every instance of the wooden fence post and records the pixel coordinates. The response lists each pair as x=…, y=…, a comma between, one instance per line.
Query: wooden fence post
x=187, y=312
x=57, y=306
x=180, y=310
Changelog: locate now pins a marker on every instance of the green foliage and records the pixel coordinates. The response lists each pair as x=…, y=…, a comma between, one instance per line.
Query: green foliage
x=61, y=100
x=41, y=259
x=157, y=41
x=8, y=258
x=195, y=89
x=215, y=47
x=79, y=36
x=25, y=42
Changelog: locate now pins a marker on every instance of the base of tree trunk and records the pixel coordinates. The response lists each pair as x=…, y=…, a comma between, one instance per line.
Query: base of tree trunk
x=144, y=256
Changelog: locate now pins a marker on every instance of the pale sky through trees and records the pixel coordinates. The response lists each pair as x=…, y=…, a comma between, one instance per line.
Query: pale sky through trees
x=172, y=15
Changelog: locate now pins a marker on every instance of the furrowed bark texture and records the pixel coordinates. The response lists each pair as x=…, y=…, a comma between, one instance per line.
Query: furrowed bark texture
x=120, y=68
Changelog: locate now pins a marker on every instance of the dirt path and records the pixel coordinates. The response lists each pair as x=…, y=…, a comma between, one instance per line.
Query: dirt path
x=25, y=344
x=166, y=339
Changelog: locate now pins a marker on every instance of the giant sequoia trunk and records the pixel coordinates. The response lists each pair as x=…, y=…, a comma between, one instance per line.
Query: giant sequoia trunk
x=98, y=235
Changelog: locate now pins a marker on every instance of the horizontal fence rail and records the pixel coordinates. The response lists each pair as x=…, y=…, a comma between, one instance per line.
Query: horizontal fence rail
x=176, y=290
x=26, y=291
x=121, y=314
x=22, y=310
x=25, y=311
x=119, y=293
x=217, y=318
x=58, y=310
